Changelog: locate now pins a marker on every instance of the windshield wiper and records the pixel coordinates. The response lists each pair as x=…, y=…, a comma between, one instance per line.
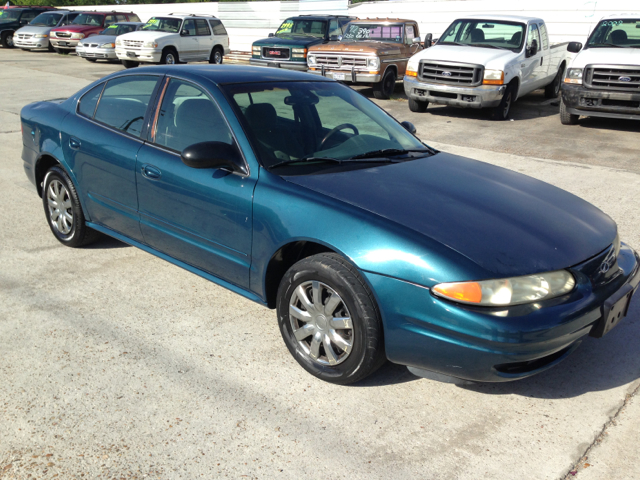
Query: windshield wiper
x=305, y=160
x=386, y=152
x=605, y=45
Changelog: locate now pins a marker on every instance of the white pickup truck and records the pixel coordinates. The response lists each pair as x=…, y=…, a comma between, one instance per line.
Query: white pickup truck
x=486, y=61
x=603, y=80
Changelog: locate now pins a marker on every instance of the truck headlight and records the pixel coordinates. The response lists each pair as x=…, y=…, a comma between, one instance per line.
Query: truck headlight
x=299, y=53
x=373, y=63
x=77, y=35
x=149, y=45
x=412, y=68
x=508, y=291
x=107, y=45
x=255, y=49
x=574, y=75
x=311, y=59
x=41, y=35
x=118, y=42
x=493, y=77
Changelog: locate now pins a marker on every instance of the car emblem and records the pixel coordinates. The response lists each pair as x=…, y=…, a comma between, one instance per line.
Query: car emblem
x=608, y=262
x=624, y=79
x=274, y=52
x=446, y=74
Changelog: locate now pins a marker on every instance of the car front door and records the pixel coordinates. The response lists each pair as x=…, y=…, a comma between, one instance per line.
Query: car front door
x=532, y=65
x=101, y=143
x=202, y=217
x=189, y=45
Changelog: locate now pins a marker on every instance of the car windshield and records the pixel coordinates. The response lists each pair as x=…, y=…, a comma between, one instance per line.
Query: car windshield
x=298, y=26
x=118, y=29
x=88, y=19
x=357, y=32
x=623, y=33
x=162, y=24
x=46, y=20
x=9, y=15
x=484, y=33
x=318, y=125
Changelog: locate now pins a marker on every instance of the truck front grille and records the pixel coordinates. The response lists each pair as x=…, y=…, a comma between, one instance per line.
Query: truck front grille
x=462, y=74
x=613, y=77
x=135, y=44
x=275, y=52
x=341, y=61
x=63, y=35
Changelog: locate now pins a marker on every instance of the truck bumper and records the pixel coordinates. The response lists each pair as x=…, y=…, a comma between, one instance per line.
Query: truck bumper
x=349, y=76
x=466, y=97
x=288, y=64
x=143, y=56
x=580, y=100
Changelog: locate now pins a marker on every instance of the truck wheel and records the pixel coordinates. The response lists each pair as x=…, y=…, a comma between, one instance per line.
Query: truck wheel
x=417, y=106
x=7, y=39
x=384, y=88
x=501, y=112
x=90, y=59
x=553, y=89
x=567, y=118
x=130, y=64
x=169, y=57
x=216, y=56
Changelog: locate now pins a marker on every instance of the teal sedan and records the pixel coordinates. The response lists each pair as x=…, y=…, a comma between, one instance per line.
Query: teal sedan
x=302, y=195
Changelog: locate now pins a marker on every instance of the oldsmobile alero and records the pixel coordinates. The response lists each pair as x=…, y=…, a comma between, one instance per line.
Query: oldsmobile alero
x=300, y=194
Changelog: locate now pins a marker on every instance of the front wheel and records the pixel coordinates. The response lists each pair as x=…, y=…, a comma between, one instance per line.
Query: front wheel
x=567, y=118
x=384, y=89
x=63, y=211
x=553, y=89
x=7, y=40
x=329, y=320
x=169, y=57
x=216, y=56
x=501, y=112
x=130, y=64
x=417, y=106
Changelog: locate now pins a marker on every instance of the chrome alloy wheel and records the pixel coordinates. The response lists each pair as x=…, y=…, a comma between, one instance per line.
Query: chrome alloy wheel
x=321, y=323
x=60, y=207
x=217, y=57
x=171, y=60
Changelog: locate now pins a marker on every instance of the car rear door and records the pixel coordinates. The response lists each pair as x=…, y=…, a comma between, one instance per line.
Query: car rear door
x=205, y=39
x=101, y=143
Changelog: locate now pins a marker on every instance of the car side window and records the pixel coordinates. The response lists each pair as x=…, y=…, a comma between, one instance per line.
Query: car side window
x=545, y=36
x=121, y=18
x=202, y=27
x=124, y=102
x=409, y=34
x=109, y=20
x=534, y=34
x=133, y=17
x=188, y=116
x=28, y=16
x=89, y=100
x=218, y=27
x=334, y=28
x=189, y=27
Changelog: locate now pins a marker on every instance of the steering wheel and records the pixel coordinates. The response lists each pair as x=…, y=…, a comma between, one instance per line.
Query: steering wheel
x=337, y=129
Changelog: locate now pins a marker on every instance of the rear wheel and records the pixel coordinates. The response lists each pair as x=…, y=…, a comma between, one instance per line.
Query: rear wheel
x=418, y=106
x=553, y=89
x=169, y=57
x=130, y=64
x=567, y=118
x=501, y=112
x=216, y=56
x=7, y=40
x=384, y=89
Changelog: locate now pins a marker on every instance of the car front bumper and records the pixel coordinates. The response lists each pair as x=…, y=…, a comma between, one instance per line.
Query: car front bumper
x=581, y=100
x=141, y=55
x=481, y=96
x=492, y=345
x=65, y=43
x=30, y=43
x=349, y=76
x=95, y=52
x=288, y=64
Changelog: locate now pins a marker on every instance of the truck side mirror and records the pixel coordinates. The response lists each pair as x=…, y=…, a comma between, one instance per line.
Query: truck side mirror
x=272, y=34
x=428, y=40
x=574, y=47
x=416, y=40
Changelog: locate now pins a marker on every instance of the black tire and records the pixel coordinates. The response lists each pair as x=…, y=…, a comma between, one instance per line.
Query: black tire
x=501, y=112
x=366, y=353
x=216, y=56
x=61, y=51
x=50, y=48
x=130, y=64
x=417, y=106
x=57, y=185
x=567, y=118
x=169, y=57
x=7, y=40
x=553, y=89
x=92, y=60
x=385, y=87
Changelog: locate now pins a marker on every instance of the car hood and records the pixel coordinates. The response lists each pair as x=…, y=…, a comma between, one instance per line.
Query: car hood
x=365, y=46
x=288, y=40
x=33, y=30
x=76, y=28
x=100, y=39
x=607, y=56
x=454, y=53
x=147, y=35
x=507, y=223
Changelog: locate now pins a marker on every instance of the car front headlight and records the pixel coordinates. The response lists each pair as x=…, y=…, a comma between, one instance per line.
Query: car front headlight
x=311, y=59
x=149, y=45
x=298, y=52
x=493, y=77
x=255, y=49
x=107, y=45
x=373, y=63
x=41, y=35
x=508, y=291
x=77, y=35
x=574, y=75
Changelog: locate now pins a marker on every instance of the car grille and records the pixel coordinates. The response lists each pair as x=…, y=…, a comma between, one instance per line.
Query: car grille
x=451, y=73
x=90, y=45
x=341, y=61
x=23, y=36
x=616, y=77
x=275, y=52
x=135, y=44
x=63, y=35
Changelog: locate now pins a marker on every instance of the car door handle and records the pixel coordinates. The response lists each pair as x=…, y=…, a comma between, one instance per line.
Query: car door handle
x=149, y=171
x=74, y=143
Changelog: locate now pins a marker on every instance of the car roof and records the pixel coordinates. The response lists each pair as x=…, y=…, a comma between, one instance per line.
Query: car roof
x=129, y=23
x=383, y=20
x=622, y=16
x=226, y=74
x=506, y=18
x=318, y=17
x=112, y=12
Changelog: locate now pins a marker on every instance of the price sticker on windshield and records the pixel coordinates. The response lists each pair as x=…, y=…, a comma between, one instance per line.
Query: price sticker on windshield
x=153, y=21
x=285, y=27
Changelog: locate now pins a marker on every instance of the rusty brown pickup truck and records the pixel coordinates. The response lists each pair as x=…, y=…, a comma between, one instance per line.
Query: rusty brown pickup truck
x=371, y=51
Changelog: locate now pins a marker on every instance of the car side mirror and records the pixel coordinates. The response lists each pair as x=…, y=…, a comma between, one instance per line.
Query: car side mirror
x=533, y=49
x=409, y=127
x=416, y=40
x=428, y=40
x=184, y=33
x=213, y=155
x=574, y=47
x=272, y=35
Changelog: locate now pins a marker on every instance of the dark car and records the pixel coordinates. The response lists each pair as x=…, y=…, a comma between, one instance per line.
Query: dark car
x=87, y=24
x=13, y=18
x=289, y=46
x=299, y=193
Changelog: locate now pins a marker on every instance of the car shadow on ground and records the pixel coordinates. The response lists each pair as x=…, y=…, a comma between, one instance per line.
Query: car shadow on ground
x=619, y=125
x=105, y=243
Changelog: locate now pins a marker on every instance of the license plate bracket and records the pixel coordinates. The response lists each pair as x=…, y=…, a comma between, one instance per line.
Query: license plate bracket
x=338, y=76
x=62, y=44
x=615, y=309
x=131, y=54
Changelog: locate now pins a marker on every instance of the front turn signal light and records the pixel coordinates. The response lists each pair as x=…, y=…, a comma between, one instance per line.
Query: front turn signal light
x=411, y=73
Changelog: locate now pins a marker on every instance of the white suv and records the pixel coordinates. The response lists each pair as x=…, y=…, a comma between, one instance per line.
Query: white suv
x=174, y=38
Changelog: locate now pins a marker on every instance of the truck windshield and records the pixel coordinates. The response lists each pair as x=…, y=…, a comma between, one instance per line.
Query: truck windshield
x=46, y=20
x=307, y=27
x=88, y=19
x=9, y=15
x=484, y=33
x=357, y=32
x=624, y=33
x=161, y=24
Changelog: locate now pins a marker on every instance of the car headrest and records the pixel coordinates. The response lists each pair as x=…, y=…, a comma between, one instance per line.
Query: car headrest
x=261, y=116
x=477, y=35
